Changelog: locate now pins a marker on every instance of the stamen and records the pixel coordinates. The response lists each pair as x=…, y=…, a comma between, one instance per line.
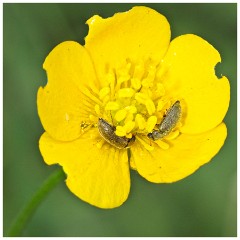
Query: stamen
x=150, y=106
x=137, y=76
x=136, y=83
x=129, y=126
x=141, y=123
x=139, y=71
x=93, y=118
x=129, y=135
x=100, y=143
x=120, y=115
x=86, y=109
x=120, y=131
x=162, y=144
x=88, y=103
x=160, y=105
x=172, y=135
x=126, y=92
x=87, y=93
x=131, y=109
x=147, y=146
x=162, y=70
x=111, y=81
x=106, y=99
x=112, y=106
x=97, y=109
x=104, y=92
x=123, y=75
x=160, y=90
x=94, y=88
x=134, y=99
x=148, y=81
x=151, y=122
x=141, y=97
x=129, y=117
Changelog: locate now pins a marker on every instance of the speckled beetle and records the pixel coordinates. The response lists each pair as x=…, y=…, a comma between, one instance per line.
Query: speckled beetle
x=167, y=124
x=107, y=131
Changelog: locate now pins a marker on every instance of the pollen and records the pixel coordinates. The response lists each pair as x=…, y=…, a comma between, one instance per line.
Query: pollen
x=133, y=100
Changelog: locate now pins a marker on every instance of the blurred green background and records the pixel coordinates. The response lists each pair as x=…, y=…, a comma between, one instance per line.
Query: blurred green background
x=204, y=204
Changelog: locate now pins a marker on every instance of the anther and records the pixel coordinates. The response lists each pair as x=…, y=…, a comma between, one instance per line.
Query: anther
x=141, y=123
x=126, y=92
x=120, y=115
x=129, y=126
x=173, y=135
x=131, y=109
x=136, y=83
x=141, y=97
x=150, y=106
x=112, y=106
x=151, y=122
x=120, y=131
x=128, y=118
x=160, y=105
x=160, y=90
x=104, y=92
x=162, y=144
x=138, y=71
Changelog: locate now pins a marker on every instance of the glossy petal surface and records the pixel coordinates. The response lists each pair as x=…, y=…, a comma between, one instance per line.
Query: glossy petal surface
x=97, y=176
x=190, y=77
x=62, y=103
x=186, y=154
x=139, y=34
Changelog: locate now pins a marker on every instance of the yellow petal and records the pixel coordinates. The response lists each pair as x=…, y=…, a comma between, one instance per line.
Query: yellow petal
x=190, y=77
x=138, y=34
x=97, y=176
x=65, y=101
x=185, y=155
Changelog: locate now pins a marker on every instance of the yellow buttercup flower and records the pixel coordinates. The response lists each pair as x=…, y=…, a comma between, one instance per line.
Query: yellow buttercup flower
x=131, y=98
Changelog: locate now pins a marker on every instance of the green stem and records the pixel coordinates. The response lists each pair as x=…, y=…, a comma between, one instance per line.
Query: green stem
x=28, y=210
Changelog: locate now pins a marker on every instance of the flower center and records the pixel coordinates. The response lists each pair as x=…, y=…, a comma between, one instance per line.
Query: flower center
x=134, y=101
